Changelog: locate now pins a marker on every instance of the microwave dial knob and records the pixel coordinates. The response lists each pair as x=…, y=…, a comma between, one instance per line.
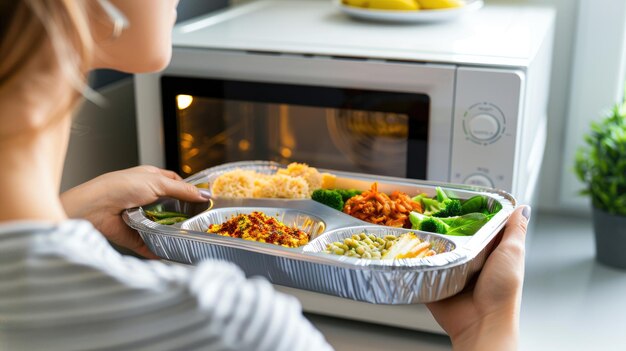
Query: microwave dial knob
x=479, y=180
x=484, y=127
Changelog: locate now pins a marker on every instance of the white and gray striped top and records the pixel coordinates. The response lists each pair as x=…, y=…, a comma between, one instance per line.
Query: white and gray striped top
x=63, y=287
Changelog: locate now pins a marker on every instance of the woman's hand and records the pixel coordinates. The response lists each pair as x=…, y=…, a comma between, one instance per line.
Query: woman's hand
x=102, y=200
x=486, y=316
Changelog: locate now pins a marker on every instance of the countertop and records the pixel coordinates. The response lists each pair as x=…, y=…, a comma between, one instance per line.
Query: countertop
x=570, y=302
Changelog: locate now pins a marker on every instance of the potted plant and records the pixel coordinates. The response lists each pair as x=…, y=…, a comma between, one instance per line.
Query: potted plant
x=601, y=166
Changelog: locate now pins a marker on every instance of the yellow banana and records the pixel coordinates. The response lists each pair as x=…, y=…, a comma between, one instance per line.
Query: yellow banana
x=440, y=4
x=384, y=4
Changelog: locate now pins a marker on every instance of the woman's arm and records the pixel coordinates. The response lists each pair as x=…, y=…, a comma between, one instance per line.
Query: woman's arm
x=486, y=316
x=102, y=200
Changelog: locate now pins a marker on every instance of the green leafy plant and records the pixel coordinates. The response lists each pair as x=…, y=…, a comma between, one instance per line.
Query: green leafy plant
x=601, y=163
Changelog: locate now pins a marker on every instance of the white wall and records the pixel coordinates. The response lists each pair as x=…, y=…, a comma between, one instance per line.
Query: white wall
x=597, y=82
x=565, y=30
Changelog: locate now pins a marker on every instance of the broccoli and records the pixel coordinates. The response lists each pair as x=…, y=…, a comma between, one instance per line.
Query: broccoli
x=441, y=206
x=427, y=223
x=348, y=193
x=467, y=224
x=434, y=225
x=330, y=198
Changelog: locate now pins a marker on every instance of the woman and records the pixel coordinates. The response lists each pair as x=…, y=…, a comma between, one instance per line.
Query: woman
x=62, y=286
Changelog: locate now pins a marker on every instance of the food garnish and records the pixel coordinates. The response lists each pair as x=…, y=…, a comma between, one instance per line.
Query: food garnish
x=257, y=226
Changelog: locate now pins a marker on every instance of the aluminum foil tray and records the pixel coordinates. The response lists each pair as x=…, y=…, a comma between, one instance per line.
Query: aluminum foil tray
x=400, y=281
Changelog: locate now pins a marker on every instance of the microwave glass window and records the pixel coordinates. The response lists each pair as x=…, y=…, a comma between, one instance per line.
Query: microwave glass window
x=351, y=130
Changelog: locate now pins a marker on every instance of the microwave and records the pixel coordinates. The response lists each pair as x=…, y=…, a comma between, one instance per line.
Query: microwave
x=463, y=101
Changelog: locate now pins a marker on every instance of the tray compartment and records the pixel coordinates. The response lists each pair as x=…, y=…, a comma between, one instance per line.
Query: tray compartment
x=190, y=209
x=443, y=246
x=307, y=222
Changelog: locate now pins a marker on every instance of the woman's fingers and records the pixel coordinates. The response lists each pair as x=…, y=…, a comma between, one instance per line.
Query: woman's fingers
x=170, y=174
x=180, y=190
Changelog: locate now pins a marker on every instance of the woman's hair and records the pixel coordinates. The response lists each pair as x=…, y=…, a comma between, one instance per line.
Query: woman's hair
x=28, y=26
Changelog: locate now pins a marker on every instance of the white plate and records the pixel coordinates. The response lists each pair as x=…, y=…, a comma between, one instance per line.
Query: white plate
x=419, y=16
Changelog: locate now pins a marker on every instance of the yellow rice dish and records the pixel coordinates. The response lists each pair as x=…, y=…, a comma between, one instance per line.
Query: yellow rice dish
x=297, y=181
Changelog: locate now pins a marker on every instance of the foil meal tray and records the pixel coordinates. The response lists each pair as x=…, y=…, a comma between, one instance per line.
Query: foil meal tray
x=398, y=281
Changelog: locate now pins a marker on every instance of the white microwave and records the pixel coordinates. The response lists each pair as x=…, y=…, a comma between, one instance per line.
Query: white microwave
x=294, y=80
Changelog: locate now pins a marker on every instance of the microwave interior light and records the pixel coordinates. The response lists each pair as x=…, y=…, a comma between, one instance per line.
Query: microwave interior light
x=193, y=152
x=183, y=101
x=186, y=141
x=244, y=145
x=285, y=152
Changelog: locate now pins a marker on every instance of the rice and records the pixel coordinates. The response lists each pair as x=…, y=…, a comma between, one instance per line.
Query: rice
x=297, y=181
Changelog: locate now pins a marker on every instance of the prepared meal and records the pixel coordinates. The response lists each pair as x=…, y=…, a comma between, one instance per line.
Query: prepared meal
x=305, y=244
x=374, y=247
x=439, y=214
x=297, y=181
x=257, y=226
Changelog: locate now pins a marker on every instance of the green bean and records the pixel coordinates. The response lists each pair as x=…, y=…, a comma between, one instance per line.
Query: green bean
x=170, y=220
x=164, y=214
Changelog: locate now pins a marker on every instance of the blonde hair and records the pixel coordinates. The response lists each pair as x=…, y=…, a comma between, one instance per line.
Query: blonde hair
x=29, y=25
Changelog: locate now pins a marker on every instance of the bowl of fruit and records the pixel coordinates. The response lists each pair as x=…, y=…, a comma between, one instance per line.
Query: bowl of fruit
x=410, y=11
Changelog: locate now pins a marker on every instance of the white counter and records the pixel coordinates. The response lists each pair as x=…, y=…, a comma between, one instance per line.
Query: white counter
x=570, y=302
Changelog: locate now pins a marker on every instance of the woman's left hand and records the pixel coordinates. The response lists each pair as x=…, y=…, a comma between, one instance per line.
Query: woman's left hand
x=102, y=200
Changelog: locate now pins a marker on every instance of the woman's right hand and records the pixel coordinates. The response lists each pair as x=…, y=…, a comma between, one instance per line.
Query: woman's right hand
x=486, y=316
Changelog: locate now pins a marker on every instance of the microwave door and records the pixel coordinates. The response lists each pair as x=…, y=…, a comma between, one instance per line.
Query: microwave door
x=354, y=130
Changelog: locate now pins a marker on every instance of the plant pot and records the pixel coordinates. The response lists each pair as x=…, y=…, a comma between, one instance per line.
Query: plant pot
x=610, y=234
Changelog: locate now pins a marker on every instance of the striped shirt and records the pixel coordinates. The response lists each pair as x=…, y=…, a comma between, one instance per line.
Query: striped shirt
x=63, y=287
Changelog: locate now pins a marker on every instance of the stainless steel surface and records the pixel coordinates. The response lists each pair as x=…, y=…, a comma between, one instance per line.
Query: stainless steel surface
x=405, y=281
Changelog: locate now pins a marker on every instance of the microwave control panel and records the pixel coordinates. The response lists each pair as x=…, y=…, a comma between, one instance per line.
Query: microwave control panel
x=484, y=123
x=485, y=127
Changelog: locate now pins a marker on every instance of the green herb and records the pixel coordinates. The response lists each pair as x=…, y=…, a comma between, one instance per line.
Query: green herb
x=601, y=163
x=477, y=203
